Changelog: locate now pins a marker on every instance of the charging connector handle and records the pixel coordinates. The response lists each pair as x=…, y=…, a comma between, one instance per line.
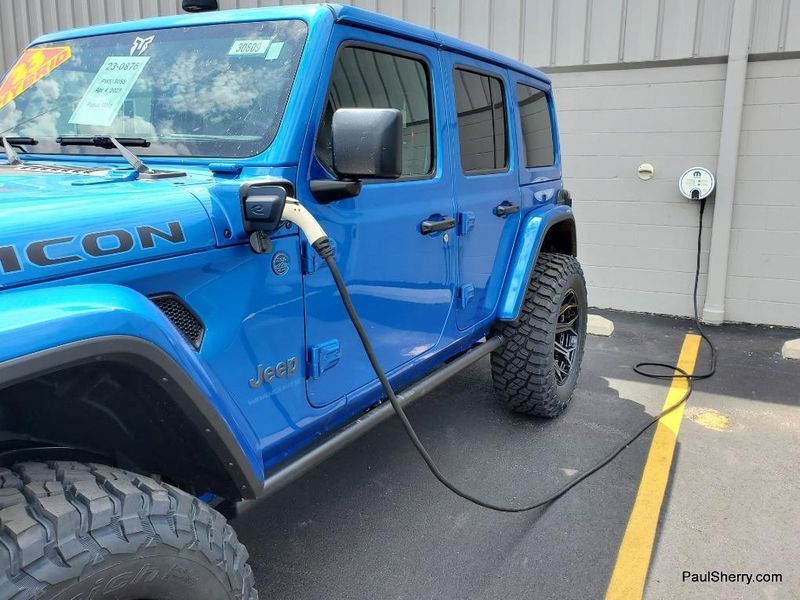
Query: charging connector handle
x=296, y=213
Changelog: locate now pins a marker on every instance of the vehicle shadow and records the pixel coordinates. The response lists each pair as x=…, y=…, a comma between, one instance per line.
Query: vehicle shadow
x=372, y=522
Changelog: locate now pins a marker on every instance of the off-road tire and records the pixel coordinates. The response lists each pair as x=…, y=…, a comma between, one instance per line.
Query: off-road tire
x=523, y=369
x=75, y=531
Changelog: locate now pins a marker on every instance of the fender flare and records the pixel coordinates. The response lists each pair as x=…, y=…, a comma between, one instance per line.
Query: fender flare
x=531, y=235
x=68, y=326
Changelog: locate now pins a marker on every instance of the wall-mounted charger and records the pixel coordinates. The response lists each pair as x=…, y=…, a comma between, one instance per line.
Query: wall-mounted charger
x=696, y=183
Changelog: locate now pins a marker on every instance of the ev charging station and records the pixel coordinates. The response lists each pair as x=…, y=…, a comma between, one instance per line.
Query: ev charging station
x=696, y=183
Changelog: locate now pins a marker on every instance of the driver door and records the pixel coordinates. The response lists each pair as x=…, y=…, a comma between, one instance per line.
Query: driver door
x=401, y=280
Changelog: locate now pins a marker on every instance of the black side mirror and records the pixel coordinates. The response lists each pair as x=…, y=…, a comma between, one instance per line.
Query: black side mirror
x=367, y=143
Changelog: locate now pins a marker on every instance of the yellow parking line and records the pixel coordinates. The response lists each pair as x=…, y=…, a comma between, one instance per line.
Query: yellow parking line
x=633, y=560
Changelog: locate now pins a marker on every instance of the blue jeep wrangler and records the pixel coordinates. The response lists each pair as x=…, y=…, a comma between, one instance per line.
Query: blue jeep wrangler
x=172, y=338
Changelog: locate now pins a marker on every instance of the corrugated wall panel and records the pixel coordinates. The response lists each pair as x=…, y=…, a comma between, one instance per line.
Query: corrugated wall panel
x=476, y=18
x=570, y=31
x=604, y=31
x=767, y=25
x=447, y=15
x=505, y=33
x=419, y=12
x=712, y=32
x=676, y=36
x=792, y=27
x=641, y=24
x=539, y=32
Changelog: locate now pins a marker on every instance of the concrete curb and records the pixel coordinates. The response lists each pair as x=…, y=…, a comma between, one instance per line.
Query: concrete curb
x=598, y=325
x=791, y=349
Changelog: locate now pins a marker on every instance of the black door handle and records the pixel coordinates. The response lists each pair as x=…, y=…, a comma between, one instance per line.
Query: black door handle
x=505, y=209
x=444, y=224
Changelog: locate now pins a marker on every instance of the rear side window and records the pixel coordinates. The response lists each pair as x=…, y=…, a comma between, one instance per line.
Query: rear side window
x=366, y=78
x=537, y=130
x=481, y=121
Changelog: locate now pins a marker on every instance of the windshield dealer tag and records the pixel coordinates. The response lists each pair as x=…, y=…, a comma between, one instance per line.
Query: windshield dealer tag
x=249, y=47
x=33, y=65
x=108, y=90
x=274, y=50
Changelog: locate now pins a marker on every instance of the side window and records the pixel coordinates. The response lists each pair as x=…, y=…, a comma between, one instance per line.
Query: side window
x=537, y=130
x=481, y=121
x=366, y=78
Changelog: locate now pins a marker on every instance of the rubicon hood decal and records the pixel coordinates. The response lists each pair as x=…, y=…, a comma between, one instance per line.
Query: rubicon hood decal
x=51, y=228
x=92, y=245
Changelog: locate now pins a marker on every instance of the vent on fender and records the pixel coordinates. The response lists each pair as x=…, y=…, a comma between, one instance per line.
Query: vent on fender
x=182, y=317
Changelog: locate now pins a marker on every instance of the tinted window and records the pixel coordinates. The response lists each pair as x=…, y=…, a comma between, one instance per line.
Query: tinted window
x=537, y=131
x=365, y=78
x=481, y=121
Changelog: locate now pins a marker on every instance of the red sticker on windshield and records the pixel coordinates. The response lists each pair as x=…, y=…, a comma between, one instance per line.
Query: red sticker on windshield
x=33, y=65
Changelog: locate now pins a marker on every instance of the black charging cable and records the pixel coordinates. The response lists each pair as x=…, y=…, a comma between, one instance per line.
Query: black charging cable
x=324, y=249
x=643, y=368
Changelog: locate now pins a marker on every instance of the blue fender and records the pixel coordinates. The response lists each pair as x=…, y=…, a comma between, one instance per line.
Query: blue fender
x=66, y=325
x=526, y=250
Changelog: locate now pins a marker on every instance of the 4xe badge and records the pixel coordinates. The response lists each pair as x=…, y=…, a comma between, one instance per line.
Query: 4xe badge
x=280, y=264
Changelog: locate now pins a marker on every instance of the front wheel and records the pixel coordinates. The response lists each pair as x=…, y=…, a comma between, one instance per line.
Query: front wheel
x=74, y=531
x=536, y=370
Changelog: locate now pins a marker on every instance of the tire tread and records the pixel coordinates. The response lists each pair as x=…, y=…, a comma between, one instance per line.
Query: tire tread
x=59, y=517
x=522, y=369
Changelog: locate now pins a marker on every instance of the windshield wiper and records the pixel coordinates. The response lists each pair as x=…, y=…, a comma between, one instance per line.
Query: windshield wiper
x=11, y=155
x=102, y=141
x=21, y=141
x=110, y=142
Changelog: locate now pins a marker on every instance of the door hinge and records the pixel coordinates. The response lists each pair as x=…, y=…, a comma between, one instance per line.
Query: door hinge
x=308, y=258
x=466, y=221
x=465, y=294
x=322, y=357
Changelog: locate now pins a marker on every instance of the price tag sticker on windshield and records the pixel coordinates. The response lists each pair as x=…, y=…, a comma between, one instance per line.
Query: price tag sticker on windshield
x=109, y=89
x=33, y=64
x=249, y=47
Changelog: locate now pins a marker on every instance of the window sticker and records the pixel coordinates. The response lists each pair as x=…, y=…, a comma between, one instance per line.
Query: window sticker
x=108, y=90
x=274, y=50
x=249, y=47
x=33, y=65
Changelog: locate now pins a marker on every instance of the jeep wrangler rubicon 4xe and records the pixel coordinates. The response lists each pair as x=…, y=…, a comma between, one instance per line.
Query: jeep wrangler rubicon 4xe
x=170, y=345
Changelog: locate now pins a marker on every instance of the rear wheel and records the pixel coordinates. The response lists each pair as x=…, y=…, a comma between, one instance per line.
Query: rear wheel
x=74, y=531
x=536, y=370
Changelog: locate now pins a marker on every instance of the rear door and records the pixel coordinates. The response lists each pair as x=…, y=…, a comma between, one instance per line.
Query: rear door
x=402, y=281
x=486, y=184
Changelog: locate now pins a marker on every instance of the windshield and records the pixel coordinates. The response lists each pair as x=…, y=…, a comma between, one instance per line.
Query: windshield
x=208, y=91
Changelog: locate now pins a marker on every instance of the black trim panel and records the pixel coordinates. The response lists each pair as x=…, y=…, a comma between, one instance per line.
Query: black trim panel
x=149, y=358
x=573, y=232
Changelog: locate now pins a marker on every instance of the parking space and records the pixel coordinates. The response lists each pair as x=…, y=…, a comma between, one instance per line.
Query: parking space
x=373, y=523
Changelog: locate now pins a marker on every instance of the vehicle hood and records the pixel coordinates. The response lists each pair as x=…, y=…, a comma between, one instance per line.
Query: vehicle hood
x=54, y=225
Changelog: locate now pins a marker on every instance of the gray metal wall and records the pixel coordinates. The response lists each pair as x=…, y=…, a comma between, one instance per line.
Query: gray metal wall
x=764, y=256
x=636, y=237
x=539, y=32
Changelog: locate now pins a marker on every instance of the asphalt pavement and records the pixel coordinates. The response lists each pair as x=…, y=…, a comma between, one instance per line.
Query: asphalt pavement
x=373, y=523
